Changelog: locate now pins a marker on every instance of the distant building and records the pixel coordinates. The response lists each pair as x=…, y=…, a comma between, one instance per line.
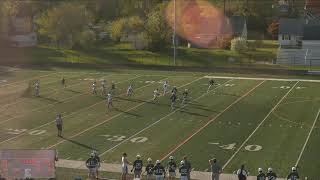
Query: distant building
x=290, y=32
x=18, y=30
x=21, y=33
x=299, y=41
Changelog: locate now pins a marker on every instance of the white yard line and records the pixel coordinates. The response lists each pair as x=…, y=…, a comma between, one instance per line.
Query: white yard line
x=209, y=122
x=271, y=111
x=307, y=140
x=37, y=77
x=99, y=124
x=48, y=92
x=50, y=104
x=74, y=112
x=158, y=121
x=261, y=79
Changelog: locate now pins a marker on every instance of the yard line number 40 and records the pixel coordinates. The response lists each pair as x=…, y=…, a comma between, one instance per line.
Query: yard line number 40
x=251, y=148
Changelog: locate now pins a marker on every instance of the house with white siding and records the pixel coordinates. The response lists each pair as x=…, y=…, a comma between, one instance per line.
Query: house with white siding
x=299, y=41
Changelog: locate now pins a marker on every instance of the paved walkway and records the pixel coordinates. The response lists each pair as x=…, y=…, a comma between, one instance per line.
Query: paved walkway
x=116, y=168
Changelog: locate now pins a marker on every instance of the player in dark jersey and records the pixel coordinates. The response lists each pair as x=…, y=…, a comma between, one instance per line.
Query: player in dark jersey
x=184, y=97
x=159, y=171
x=92, y=164
x=59, y=124
x=96, y=156
x=211, y=83
x=174, y=90
x=113, y=87
x=171, y=168
x=183, y=170
x=137, y=167
x=188, y=164
x=63, y=82
x=149, y=169
x=261, y=175
x=294, y=174
x=173, y=99
x=271, y=175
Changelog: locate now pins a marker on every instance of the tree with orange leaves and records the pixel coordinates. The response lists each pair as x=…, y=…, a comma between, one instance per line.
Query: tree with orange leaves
x=273, y=29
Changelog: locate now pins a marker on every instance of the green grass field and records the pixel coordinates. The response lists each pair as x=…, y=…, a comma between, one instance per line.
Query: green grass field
x=259, y=122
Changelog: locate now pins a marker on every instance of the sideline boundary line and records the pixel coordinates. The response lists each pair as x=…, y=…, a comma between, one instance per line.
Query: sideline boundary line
x=109, y=119
x=308, y=137
x=259, y=125
x=88, y=107
x=261, y=79
x=210, y=121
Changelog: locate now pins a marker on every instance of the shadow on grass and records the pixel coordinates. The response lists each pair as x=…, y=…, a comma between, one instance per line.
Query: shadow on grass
x=73, y=91
x=50, y=99
x=128, y=113
x=193, y=113
x=143, y=101
x=79, y=144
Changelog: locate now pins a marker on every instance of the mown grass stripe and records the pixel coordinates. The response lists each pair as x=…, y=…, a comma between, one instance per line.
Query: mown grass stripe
x=308, y=137
x=209, y=122
x=259, y=125
x=109, y=119
x=74, y=112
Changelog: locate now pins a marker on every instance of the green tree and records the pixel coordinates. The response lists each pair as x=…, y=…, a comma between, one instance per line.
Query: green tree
x=65, y=23
x=158, y=31
x=239, y=45
x=117, y=29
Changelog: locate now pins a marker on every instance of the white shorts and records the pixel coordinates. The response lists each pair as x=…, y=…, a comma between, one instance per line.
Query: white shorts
x=184, y=177
x=92, y=170
x=159, y=177
x=125, y=169
x=149, y=176
x=137, y=172
x=172, y=174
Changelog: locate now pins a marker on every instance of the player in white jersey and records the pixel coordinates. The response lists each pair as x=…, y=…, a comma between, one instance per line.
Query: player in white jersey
x=109, y=100
x=94, y=88
x=124, y=166
x=184, y=97
x=130, y=90
x=155, y=94
x=37, y=88
x=103, y=87
x=165, y=87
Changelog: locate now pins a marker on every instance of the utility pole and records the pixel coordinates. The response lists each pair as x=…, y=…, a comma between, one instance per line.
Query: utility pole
x=224, y=7
x=174, y=34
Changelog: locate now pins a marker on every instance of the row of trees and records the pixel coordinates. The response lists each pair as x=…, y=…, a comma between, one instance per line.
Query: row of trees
x=74, y=23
